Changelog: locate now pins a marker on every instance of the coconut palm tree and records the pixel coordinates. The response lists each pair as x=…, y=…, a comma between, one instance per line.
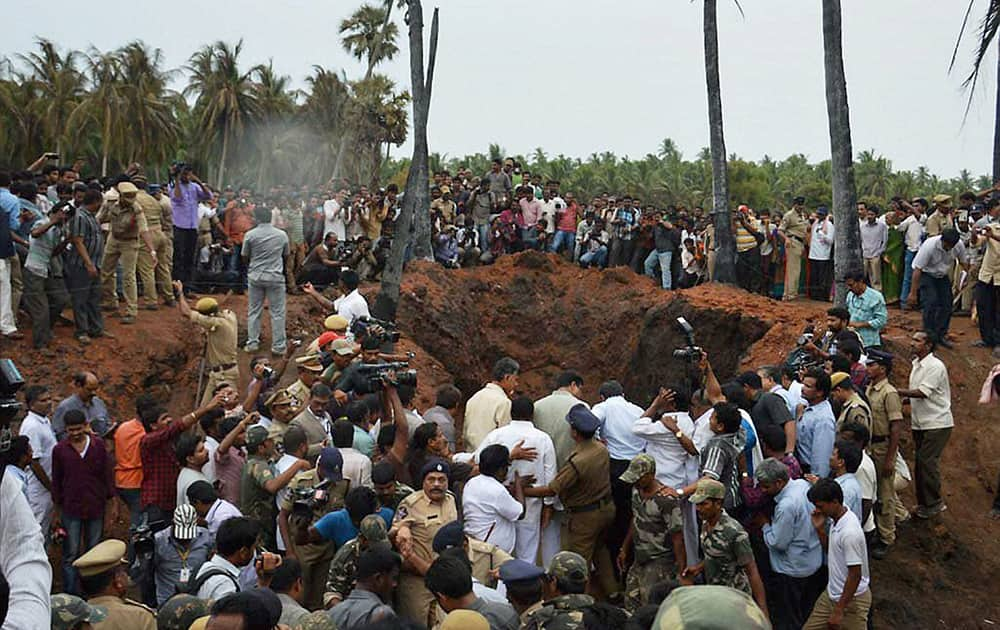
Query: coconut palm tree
x=103, y=104
x=225, y=101
x=369, y=35
x=150, y=106
x=60, y=86
x=725, y=249
x=847, y=239
x=985, y=37
x=274, y=105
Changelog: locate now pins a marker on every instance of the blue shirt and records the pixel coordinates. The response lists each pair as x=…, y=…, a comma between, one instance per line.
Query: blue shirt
x=852, y=494
x=868, y=307
x=11, y=205
x=185, y=206
x=751, y=442
x=817, y=432
x=363, y=442
x=792, y=543
x=337, y=526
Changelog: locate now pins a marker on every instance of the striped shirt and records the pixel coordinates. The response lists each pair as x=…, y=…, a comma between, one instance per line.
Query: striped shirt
x=84, y=224
x=745, y=240
x=294, y=225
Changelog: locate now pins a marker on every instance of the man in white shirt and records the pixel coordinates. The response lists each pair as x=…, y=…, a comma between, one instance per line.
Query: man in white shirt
x=912, y=228
x=213, y=510
x=847, y=598
x=522, y=432
x=489, y=408
x=23, y=560
x=295, y=444
x=488, y=509
x=351, y=305
x=191, y=455
x=617, y=416
x=335, y=215
x=867, y=475
x=357, y=468
x=821, y=256
x=931, y=422
x=235, y=544
x=37, y=427
x=668, y=430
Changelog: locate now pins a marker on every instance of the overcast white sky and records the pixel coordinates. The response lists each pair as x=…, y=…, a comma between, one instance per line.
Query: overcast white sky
x=584, y=77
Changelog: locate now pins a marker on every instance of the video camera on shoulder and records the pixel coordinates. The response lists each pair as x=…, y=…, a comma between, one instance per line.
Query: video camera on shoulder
x=689, y=352
x=384, y=331
x=305, y=501
x=395, y=373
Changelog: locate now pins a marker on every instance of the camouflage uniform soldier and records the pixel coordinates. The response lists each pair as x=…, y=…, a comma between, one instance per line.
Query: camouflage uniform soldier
x=341, y=579
x=319, y=620
x=259, y=483
x=567, y=580
x=69, y=612
x=724, y=543
x=656, y=533
x=180, y=611
x=709, y=607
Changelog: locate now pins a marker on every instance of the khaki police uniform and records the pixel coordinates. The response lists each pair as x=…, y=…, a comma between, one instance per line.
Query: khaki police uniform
x=886, y=408
x=221, y=350
x=155, y=278
x=855, y=410
x=584, y=487
x=424, y=518
x=123, y=614
x=127, y=223
x=486, y=559
x=794, y=227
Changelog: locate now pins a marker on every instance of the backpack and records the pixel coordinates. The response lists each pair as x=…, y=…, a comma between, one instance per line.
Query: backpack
x=191, y=587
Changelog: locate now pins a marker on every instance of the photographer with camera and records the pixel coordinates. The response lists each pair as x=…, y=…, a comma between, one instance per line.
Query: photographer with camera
x=351, y=305
x=45, y=293
x=178, y=553
x=322, y=266
x=837, y=332
x=185, y=192
x=311, y=495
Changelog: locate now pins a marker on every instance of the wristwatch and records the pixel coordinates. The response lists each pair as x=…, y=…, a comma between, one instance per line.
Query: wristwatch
x=680, y=492
x=679, y=434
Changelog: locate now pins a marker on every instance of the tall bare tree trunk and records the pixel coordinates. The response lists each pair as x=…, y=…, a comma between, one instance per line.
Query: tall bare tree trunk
x=422, y=229
x=847, y=239
x=417, y=198
x=222, y=159
x=106, y=141
x=725, y=241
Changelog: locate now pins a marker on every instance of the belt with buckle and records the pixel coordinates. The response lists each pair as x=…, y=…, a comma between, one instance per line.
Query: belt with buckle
x=222, y=368
x=878, y=439
x=590, y=507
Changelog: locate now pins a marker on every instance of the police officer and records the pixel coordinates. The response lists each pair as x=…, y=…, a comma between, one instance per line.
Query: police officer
x=342, y=577
x=309, y=369
x=281, y=409
x=418, y=518
x=315, y=557
x=886, y=427
x=259, y=482
x=564, y=593
x=221, y=345
x=104, y=579
x=485, y=558
x=128, y=225
x=583, y=485
x=853, y=408
x=656, y=533
x=154, y=273
x=524, y=584
x=792, y=231
x=69, y=612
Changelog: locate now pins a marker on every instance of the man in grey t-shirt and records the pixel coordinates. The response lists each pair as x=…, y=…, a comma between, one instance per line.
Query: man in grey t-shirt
x=264, y=250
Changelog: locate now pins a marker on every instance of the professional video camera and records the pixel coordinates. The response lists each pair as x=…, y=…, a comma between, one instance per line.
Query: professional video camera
x=690, y=352
x=140, y=569
x=305, y=501
x=10, y=382
x=384, y=331
x=396, y=373
x=800, y=358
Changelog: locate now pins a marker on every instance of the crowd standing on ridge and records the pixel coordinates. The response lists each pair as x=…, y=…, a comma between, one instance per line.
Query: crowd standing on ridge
x=328, y=499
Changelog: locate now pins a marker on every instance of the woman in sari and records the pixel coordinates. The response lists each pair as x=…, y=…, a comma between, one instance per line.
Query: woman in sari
x=892, y=259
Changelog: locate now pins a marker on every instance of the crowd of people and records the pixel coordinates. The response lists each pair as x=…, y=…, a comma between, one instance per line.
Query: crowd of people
x=327, y=499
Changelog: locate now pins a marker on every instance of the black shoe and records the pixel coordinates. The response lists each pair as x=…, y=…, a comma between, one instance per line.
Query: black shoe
x=880, y=550
x=944, y=343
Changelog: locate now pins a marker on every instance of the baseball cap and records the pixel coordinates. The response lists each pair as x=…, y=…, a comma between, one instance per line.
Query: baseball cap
x=708, y=489
x=256, y=435
x=326, y=338
x=185, y=522
x=643, y=464
x=331, y=464
x=709, y=607
x=342, y=346
x=569, y=566
x=68, y=611
x=372, y=527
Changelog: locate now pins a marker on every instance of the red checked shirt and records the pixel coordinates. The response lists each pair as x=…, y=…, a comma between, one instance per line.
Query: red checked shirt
x=160, y=468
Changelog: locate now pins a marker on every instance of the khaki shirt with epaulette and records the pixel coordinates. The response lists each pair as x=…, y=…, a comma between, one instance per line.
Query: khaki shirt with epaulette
x=335, y=500
x=855, y=410
x=151, y=209
x=886, y=407
x=486, y=559
x=937, y=223
x=127, y=221
x=166, y=215
x=424, y=518
x=585, y=479
x=123, y=614
x=298, y=391
x=792, y=224
x=221, y=329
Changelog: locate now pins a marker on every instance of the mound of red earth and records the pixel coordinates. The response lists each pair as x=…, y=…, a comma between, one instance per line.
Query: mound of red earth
x=551, y=315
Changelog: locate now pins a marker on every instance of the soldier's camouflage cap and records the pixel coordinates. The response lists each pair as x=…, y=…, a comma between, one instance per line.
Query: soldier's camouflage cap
x=570, y=566
x=69, y=610
x=708, y=489
x=319, y=620
x=180, y=611
x=709, y=608
x=256, y=435
x=373, y=529
x=642, y=465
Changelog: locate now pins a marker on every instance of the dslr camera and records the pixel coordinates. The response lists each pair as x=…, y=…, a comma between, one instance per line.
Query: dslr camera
x=396, y=373
x=689, y=352
x=384, y=331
